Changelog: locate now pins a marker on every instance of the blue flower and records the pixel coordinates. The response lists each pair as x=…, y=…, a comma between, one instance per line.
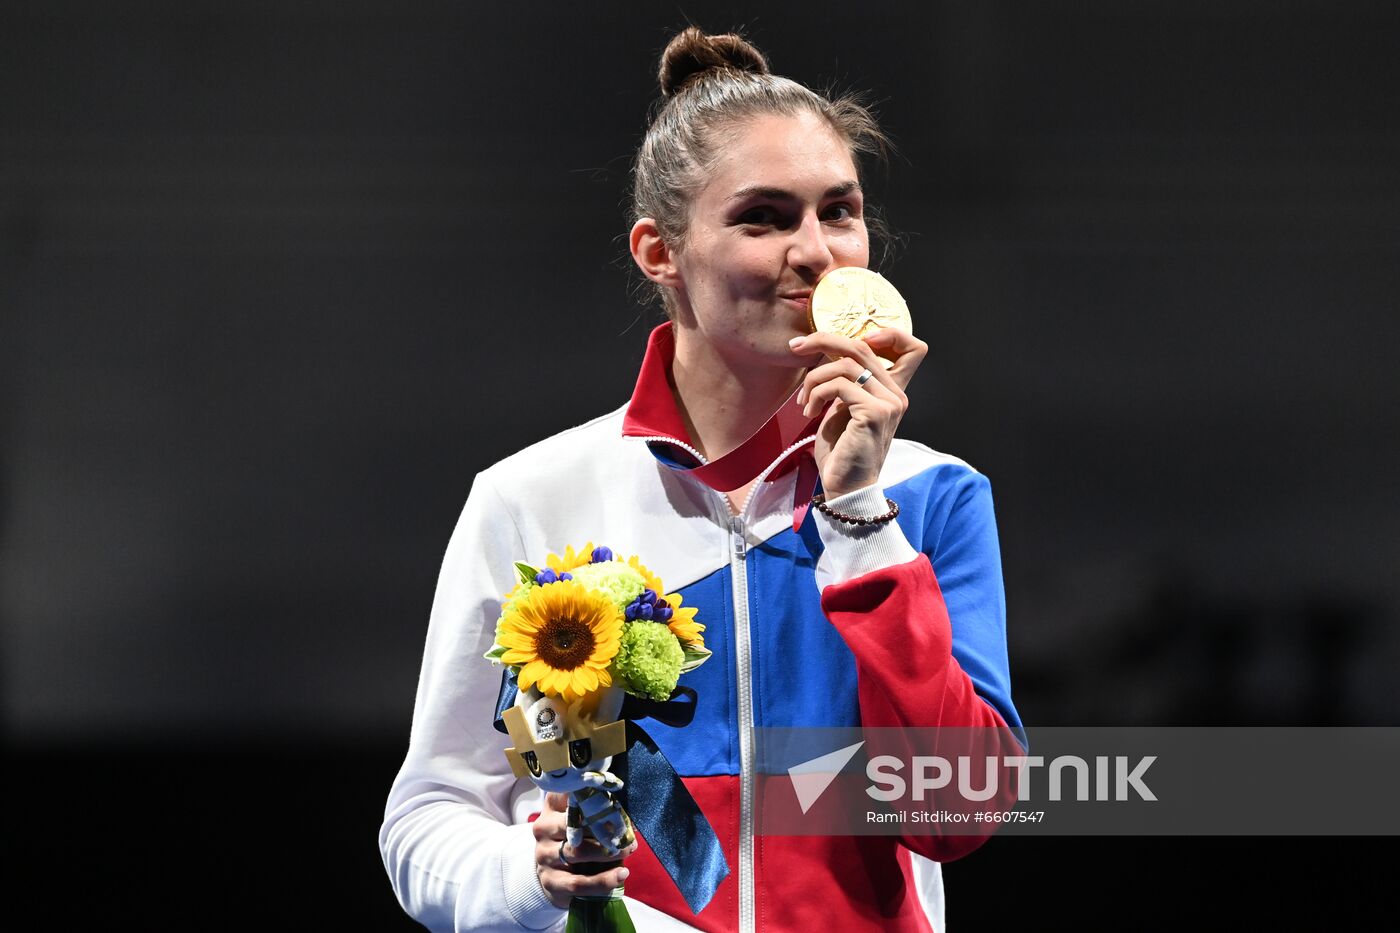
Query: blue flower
x=548, y=575
x=633, y=611
x=648, y=608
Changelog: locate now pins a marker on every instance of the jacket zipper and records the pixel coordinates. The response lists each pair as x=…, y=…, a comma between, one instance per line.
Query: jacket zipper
x=739, y=575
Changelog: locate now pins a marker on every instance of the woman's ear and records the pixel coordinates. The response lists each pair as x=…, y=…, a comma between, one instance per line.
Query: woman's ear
x=652, y=254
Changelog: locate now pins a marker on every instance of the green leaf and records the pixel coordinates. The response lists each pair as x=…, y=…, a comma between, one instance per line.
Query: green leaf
x=694, y=656
x=495, y=653
x=526, y=572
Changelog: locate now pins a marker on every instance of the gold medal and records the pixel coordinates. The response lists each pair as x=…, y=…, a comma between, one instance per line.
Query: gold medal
x=853, y=302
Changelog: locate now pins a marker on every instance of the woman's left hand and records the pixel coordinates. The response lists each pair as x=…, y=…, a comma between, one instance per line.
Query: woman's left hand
x=855, y=434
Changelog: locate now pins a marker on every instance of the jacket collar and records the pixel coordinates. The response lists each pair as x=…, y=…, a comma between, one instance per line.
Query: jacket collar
x=652, y=412
x=653, y=416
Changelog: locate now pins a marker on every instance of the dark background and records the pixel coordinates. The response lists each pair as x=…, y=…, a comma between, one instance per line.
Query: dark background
x=277, y=279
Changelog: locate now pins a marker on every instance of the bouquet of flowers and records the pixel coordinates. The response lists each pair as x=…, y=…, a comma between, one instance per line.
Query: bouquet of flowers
x=579, y=636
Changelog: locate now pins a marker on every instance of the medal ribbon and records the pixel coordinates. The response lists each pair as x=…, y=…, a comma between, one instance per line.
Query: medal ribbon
x=783, y=443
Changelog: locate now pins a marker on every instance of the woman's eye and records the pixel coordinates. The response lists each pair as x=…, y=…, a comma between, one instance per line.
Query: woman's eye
x=840, y=212
x=762, y=216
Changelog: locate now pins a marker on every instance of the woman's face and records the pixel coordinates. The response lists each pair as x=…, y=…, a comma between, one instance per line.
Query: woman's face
x=781, y=208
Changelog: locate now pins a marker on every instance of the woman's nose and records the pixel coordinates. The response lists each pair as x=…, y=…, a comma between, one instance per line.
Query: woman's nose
x=809, y=248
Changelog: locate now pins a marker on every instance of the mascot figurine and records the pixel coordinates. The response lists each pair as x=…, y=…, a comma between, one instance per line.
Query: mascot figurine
x=566, y=749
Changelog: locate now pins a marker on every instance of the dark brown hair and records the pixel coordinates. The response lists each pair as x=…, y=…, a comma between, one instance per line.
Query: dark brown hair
x=708, y=84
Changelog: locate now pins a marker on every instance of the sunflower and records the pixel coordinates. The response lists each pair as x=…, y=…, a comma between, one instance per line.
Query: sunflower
x=517, y=591
x=562, y=637
x=652, y=581
x=682, y=624
x=571, y=558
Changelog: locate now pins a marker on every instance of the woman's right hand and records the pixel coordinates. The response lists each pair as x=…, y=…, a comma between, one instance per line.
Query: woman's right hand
x=560, y=884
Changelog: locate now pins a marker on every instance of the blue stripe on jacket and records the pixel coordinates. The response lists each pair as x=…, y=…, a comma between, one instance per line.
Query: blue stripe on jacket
x=803, y=673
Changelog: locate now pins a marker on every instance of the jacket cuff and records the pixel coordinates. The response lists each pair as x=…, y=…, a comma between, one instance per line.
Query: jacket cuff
x=850, y=551
x=525, y=899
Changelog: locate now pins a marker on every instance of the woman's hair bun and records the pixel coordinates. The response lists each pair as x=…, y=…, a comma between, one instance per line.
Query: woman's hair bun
x=693, y=53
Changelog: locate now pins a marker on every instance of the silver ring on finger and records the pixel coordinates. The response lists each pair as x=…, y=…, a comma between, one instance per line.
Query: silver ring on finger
x=864, y=377
x=562, y=857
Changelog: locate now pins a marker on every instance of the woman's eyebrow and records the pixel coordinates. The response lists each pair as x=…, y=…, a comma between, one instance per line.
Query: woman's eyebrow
x=780, y=194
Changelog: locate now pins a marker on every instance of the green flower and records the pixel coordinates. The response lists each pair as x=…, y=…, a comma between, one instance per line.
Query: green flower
x=649, y=660
x=516, y=596
x=614, y=578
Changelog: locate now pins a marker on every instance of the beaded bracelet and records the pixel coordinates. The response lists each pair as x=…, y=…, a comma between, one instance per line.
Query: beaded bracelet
x=819, y=501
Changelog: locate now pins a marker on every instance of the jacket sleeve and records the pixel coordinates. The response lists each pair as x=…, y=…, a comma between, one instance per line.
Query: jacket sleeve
x=455, y=838
x=927, y=655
